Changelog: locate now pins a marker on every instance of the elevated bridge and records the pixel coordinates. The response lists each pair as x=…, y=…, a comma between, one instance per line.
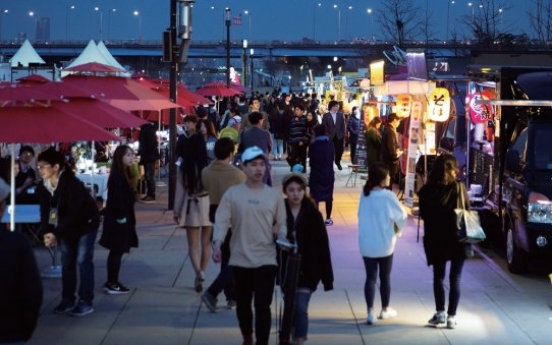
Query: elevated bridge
x=66, y=50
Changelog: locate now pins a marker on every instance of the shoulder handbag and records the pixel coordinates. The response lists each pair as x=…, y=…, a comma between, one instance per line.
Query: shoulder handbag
x=468, y=228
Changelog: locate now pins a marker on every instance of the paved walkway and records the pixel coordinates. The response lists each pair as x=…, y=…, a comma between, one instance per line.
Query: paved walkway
x=496, y=307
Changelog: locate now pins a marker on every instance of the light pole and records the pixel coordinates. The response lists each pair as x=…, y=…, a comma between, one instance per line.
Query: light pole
x=316, y=5
x=472, y=10
x=251, y=53
x=32, y=15
x=137, y=14
x=501, y=12
x=248, y=14
x=338, y=22
x=2, y=12
x=97, y=9
x=245, y=63
x=67, y=9
x=349, y=9
x=111, y=11
x=448, y=17
x=228, y=21
x=369, y=11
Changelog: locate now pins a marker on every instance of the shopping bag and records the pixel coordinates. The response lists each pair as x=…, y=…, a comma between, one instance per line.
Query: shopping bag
x=468, y=227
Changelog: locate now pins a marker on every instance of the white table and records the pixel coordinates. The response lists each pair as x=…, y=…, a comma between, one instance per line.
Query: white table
x=31, y=214
x=99, y=180
x=23, y=214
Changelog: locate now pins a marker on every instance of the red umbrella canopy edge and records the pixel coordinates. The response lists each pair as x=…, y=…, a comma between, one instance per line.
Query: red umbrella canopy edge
x=47, y=125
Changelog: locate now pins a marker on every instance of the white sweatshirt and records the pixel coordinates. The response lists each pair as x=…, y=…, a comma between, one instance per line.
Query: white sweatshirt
x=377, y=214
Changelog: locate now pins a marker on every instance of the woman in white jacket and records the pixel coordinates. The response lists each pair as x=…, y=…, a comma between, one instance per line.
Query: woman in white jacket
x=380, y=220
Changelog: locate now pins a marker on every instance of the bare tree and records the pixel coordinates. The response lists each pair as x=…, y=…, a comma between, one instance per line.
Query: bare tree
x=397, y=18
x=486, y=20
x=540, y=19
x=425, y=26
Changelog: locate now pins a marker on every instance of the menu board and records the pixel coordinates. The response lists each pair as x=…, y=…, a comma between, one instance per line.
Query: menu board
x=361, y=141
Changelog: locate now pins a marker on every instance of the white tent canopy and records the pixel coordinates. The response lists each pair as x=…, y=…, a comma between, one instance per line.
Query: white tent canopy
x=105, y=52
x=25, y=55
x=91, y=53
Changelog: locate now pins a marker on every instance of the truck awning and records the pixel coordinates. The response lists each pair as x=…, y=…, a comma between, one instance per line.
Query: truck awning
x=515, y=102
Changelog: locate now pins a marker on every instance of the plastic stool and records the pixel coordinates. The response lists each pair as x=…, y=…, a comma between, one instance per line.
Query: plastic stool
x=354, y=169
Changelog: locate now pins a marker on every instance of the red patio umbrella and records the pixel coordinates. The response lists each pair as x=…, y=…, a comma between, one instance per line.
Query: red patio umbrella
x=10, y=93
x=218, y=89
x=184, y=98
x=94, y=67
x=124, y=93
x=37, y=124
x=60, y=90
x=40, y=124
x=33, y=79
x=100, y=113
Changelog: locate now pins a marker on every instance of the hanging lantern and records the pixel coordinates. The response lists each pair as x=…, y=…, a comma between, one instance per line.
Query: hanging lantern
x=439, y=104
x=404, y=102
x=480, y=112
x=364, y=84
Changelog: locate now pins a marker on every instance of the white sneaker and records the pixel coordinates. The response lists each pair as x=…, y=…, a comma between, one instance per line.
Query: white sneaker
x=388, y=314
x=438, y=318
x=371, y=319
x=451, y=322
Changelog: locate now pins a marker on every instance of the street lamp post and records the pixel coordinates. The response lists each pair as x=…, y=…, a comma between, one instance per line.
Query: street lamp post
x=252, y=72
x=338, y=22
x=448, y=17
x=245, y=63
x=228, y=21
x=111, y=11
x=472, y=11
x=2, y=12
x=347, y=33
x=316, y=5
x=501, y=12
x=67, y=9
x=97, y=9
x=32, y=15
x=248, y=14
x=369, y=11
x=137, y=14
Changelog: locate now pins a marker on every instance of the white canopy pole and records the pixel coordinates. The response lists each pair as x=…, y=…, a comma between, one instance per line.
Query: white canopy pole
x=12, y=189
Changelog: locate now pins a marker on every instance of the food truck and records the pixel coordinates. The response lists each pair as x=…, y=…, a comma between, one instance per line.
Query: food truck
x=509, y=152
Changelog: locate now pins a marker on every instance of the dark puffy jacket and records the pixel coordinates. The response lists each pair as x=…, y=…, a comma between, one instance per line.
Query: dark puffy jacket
x=20, y=290
x=298, y=130
x=77, y=211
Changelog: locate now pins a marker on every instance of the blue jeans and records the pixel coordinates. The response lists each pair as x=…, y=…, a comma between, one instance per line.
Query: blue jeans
x=301, y=314
x=225, y=279
x=455, y=276
x=149, y=175
x=371, y=264
x=277, y=147
x=79, y=251
x=255, y=284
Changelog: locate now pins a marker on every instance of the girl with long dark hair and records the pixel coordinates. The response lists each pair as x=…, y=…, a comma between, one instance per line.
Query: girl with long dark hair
x=307, y=230
x=438, y=198
x=380, y=220
x=119, y=226
x=191, y=202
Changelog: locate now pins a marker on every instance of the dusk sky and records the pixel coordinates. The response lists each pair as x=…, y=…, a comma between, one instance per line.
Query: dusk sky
x=266, y=20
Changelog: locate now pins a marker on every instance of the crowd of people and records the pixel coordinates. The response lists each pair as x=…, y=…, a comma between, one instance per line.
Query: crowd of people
x=231, y=213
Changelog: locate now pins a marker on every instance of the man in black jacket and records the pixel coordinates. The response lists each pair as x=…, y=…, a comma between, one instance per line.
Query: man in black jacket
x=21, y=287
x=334, y=121
x=68, y=217
x=148, y=150
x=391, y=151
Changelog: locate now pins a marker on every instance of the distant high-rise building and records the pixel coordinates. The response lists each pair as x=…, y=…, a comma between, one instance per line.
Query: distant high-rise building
x=43, y=29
